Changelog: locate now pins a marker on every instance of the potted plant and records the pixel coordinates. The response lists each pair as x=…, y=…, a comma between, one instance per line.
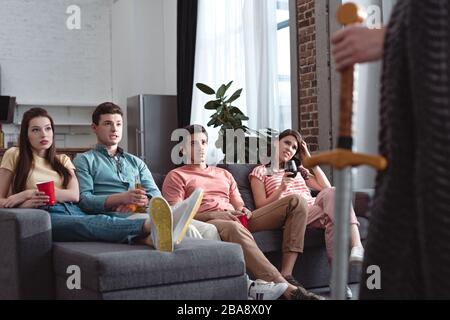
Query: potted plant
x=230, y=117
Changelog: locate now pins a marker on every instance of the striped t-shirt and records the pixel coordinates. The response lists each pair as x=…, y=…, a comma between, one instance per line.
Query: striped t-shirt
x=273, y=180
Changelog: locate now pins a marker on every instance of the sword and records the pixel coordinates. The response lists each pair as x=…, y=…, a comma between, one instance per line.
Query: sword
x=343, y=159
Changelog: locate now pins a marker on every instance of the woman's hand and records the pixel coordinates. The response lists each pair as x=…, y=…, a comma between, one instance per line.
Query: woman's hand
x=304, y=151
x=38, y=199
x=18, y=198
x=286, y=181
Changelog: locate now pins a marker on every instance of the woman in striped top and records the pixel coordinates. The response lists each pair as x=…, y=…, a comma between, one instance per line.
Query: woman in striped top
x=271, y=183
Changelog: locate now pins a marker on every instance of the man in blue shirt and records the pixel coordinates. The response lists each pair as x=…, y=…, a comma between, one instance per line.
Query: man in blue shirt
x=107, y=177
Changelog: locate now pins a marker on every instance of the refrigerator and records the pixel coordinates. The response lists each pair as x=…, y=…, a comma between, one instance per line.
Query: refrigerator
x=151, y=119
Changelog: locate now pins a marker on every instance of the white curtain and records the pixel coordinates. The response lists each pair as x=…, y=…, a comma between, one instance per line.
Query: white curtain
x=237, y=40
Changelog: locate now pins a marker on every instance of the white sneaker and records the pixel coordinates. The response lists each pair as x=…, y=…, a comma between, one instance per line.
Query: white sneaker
x=183, y=213
x=262, y=290
x=161, y=222
x=169, y=225
x=356, y=255
x=348, y=292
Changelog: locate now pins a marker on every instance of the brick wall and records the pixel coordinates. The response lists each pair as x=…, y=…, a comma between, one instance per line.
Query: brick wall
x=307, y=78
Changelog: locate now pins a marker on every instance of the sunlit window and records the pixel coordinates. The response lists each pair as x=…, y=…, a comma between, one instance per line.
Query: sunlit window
x=284, y=66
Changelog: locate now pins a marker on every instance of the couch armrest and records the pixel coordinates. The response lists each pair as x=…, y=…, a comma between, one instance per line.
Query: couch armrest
x=25, y=249
x=362, y=202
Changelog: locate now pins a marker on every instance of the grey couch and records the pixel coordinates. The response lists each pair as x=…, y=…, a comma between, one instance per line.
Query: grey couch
x=34, y=267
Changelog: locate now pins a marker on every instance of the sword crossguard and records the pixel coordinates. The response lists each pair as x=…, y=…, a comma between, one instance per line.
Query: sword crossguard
x=342, y=158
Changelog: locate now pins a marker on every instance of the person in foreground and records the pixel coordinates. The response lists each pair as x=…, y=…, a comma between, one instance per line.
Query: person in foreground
x=408, y=233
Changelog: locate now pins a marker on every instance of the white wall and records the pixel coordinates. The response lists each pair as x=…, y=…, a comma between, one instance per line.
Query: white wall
x=44, y=62
x=124, y=47
x=143, y=49
x=170, y=41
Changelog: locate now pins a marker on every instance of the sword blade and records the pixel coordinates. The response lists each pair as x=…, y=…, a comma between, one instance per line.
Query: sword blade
x=342, y=207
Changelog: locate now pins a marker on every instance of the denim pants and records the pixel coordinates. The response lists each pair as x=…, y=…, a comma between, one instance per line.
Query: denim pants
x=70, y=223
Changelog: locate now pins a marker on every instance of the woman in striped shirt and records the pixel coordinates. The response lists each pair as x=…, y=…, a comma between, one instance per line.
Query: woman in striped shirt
x=271, y=183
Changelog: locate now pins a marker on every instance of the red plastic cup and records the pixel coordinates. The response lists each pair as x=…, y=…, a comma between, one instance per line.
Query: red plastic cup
x=244, y=221
x=48, y=188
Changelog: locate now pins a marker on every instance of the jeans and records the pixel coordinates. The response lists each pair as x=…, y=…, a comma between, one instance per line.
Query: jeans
x=70, y=223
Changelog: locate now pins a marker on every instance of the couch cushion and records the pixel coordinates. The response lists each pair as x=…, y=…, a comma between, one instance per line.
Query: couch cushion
x=362, y=202
x=159, y=179
x=108, y=267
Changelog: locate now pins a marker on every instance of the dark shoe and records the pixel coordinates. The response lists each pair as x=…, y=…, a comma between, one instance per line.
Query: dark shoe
x=292, y=280
x=302, y=294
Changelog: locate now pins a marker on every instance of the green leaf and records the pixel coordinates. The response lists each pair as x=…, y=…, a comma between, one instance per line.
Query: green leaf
x=205, y=89
x=228, y=85
x=212, y=105
x=236, y=110
x=235, y=95
x=221, y=92
x=242, y=117
x=236, y=123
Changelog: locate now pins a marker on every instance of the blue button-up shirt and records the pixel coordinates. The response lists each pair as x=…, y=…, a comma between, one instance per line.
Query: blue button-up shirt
x=101, y=175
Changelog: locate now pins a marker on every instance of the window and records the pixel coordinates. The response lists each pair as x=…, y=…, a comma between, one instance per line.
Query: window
x=247, y=41
x=284, y=66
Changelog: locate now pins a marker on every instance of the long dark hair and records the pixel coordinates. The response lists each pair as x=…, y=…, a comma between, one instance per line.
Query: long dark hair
x=296, y=157
x=25, y=159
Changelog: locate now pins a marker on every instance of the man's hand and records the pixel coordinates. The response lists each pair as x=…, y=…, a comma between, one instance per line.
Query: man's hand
x=356, y=44
x=134, y=196
x=125, y=208
x=245, y=211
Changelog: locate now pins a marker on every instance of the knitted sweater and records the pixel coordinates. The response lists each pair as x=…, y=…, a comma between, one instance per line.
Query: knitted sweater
x=409, y=233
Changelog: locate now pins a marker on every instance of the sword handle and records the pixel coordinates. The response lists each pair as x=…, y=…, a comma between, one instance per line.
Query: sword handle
x=347, y=14
x=346, y=105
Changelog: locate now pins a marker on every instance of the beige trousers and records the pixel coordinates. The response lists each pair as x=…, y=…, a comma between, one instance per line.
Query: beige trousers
x=289, y=214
